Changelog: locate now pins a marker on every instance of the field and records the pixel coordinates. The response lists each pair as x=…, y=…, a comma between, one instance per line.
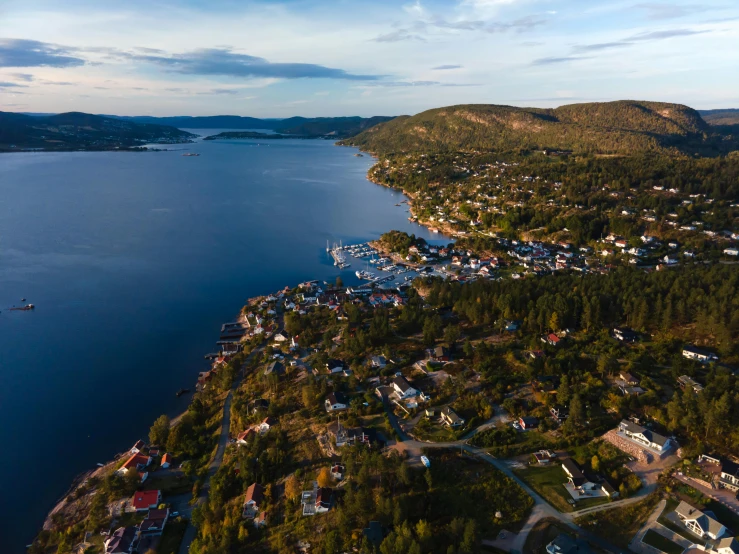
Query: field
x=620, y=524
x=549, y=481
x=652, y=538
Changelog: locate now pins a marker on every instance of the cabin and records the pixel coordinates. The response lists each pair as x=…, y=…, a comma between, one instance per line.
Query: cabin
x=528, y=422
x=253, y=501
x=702, y=356
x=577, y=477
x=146, y=500
x=402, y=388
x=451, y=418
x=155, y=522
x=687, y=382
x=336, y=402
x=624, y=334
x=166, y=460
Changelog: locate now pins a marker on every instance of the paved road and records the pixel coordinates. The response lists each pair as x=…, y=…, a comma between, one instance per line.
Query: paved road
x=217, y=460
x=636, y=543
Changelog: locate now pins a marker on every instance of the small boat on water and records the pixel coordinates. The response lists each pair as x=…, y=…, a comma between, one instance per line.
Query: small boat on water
x=181, y=392
x=359, y=155
x=25, y=308
x=190, y=154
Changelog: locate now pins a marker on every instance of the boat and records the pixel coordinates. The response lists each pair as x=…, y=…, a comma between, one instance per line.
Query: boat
x=100, y=465
x=425, y=461
x=190, y=154
x=181, y=392
x=25, y=308
x=359, y=155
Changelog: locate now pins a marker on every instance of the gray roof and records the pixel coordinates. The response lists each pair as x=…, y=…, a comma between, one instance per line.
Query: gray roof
x=402, y=383
x=704, y=521
x=729, y=542
x=632, y=427
x=452, y=415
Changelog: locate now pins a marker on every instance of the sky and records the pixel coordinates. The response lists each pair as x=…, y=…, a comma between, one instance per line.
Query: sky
x=277, y=58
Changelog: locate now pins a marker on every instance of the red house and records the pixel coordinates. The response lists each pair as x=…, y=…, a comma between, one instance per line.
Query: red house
x=146, y=500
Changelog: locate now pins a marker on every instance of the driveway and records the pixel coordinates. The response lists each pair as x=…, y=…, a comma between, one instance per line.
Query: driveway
x=726, y=497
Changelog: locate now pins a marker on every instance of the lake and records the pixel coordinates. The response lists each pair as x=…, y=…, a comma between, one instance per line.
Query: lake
x=133, y=261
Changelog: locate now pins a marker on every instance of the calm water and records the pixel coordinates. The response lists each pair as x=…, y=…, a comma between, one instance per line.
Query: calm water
x=133, y=261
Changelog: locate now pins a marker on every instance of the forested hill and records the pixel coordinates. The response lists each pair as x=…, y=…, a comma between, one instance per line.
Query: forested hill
x=80, y=131
x=304, y=126
x=620, y=127
x=728, y=116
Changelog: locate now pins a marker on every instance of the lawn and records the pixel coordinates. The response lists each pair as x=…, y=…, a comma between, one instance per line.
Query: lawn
x=652, y=538
x=548, y=481
x=172, y=536
x=524, y=443
x=620, y=524
x=169, y=482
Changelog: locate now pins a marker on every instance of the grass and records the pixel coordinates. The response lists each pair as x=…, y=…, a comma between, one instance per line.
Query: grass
x=172, y=537
x=527, y=441
x=170, y=483
x=652, y=538
x=548, y=481
x=620, y=524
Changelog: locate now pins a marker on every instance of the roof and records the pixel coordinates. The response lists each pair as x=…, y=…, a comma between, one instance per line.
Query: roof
x=529, y=420
x=155, y=519
x=703, y=520
x=167, y=458
x=121, y=539
x=134, y=461
x=255, y=494
x=451, y=415
x=729, y=542
x=269, y=421
x=651, y=436
x=564, y=544
x=139, y=445
x=402, y=383
x=732, y=468
x=274, y=367
x=323, y=497
x=570, y=467
x=440, y=351
x=144, y=499
x=245, y=434
x=336, y=398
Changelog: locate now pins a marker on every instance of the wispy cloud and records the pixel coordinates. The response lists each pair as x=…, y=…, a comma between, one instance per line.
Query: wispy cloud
x=25, y=77
x=6, y=84
x=641, y=37
x=556, y=60
x=446, y=67
x=398, y=35
x=664, y=10
x=228, y=91
x=33, y=53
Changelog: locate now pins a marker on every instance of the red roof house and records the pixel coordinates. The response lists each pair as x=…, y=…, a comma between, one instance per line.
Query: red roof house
x=145, y=500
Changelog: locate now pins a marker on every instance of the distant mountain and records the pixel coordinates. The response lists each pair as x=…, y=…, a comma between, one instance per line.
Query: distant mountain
x=304, y=126
x=80, y=131
x=729, y=116
x=610, y=128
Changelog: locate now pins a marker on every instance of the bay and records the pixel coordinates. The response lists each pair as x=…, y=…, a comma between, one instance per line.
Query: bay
x=133, y=260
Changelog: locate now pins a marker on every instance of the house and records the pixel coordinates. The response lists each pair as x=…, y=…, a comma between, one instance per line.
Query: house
x=564, y=544
x=701, y=523
x=608, y=489
x=166, y=460
x=624, y=334
x=729, y=477
x=146, y=500
x=403, y=388
x=123, y=541
x=543, y=457
x=347, y=435
x=731, y=251
x=439, y=354
x=702, y=356
x=451, y=418
x=628, y=379
x=335, y=402
x=253, y=501
x=337, y=472
x=645, y=437
x=155, y=522
x=512, y=326
x=324, y=497
x=136, y=462
x=378, y=361
x=528, y=422
x=243, y=438
x=335, y=366
x=138, y=447
x=280, y=337
x=266, y=425
x=687, y=382
x=577, y=478
x=275, y=368
x=551, y=339
x=559, y=413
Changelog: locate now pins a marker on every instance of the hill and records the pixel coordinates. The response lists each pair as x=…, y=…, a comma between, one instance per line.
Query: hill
x=620, y=127
x=728, y=116
x=303, y=126
x=80, y=131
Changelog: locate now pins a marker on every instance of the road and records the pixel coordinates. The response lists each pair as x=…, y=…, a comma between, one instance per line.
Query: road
x=191, y=531
x=541, y=509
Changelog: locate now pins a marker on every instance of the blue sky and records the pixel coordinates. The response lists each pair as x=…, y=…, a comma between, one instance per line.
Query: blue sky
x=276, y=58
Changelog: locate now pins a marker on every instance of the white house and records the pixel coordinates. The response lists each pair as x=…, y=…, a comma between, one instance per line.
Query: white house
x=700, y=523
x=702, y=356
x=335, y=402
x=645, y=437
x=403, y=388
x=731, y=251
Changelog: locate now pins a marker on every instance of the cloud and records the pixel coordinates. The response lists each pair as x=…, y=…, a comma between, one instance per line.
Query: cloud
x=33, y=53
x=57, y=83
x=641, y=37
x=225, y=62
x=5, y=84
x=25, y=77
x=398, y=36
x=599, y=46
x=659, y=10
x=446, y=67
x=556, y=60
x=221, y=91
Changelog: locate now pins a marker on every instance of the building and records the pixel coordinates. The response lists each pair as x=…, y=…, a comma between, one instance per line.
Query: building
x=624, y=334
x=166, y=460
x=451, y=418
x=728, y=475
x=243, y=438
x=253, y=501
x=403, y=388
x=324, y=497
x=155, y=522
x=347, y=435
x=336, y=402
x=564, y=544
x=645, y=437
x=136, y=462
x=275, y=368
x=727, y=545
x=528, y=422
x=123, y=541
x=337, y=472
x=700, y=523
x=559, y=413
x=138, y=447
x=267, y=424
x=146, y=500
x=576, y=476
x=702, y=356
x=687, y=382
x=628, y=379
x=335, y=366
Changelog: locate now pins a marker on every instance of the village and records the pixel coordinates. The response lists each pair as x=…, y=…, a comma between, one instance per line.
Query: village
x=311, y=383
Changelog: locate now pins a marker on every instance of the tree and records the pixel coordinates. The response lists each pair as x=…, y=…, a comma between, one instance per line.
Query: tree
x=339, y=282
x=469, y=539
x=595, y=463
x=451, y=334
x=292, y=487
x=159, y=432
x=563, y=392
x=554, y=322
x=324, y=477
